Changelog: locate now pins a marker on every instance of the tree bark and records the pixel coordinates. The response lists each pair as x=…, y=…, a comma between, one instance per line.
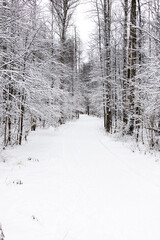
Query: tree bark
x=107, y=31
x=132, y=66
x=125, y=63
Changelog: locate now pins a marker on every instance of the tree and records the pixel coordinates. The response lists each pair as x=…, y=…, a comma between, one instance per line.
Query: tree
x=107, y=71
x=125, y=65
x=132, y=65
x=63, y=11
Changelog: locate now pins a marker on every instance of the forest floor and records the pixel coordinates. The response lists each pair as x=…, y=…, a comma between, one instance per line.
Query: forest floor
x=77, y=183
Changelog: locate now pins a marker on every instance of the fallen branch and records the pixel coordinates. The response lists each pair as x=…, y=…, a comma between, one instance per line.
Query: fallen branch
x=154, y=129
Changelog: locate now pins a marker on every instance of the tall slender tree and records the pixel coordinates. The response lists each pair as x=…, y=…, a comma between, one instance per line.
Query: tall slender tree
x=132, y=54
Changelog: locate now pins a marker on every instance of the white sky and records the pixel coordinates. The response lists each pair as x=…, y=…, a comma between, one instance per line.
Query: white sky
x=83, y=20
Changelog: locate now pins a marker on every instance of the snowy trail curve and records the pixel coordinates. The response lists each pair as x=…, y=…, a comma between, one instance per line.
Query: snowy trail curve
x=84, y=186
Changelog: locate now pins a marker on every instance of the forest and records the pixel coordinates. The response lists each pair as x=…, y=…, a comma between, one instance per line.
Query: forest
x=45, y=82
x=79, y=121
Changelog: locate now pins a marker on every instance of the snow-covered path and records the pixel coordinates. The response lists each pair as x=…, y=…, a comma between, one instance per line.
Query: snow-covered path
x=79, y=185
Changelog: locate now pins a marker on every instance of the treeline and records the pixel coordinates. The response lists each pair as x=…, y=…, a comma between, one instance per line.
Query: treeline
x=39, y=67
x=124, y=68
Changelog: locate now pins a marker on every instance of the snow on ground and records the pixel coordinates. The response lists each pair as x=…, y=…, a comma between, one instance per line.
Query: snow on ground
x=76, y=183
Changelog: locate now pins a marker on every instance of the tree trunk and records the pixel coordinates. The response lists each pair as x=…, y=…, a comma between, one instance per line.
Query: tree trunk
x=138, y=102
x=132, y=66
x=21, y=124
x=107, y=30
x=125, y=62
